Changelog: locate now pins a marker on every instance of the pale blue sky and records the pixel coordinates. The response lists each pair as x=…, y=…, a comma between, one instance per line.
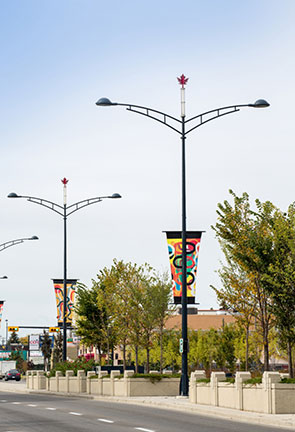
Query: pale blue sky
x=58, y=57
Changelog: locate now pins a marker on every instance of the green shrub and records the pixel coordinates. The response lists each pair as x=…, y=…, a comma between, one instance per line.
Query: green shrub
x=155, y=377
x=288, y=380
x=79, y=364
x=230, y=380
x=203, y=380
x=254, y=381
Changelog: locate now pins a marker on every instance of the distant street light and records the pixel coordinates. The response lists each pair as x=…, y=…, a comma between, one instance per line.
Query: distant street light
x=179, y=126
x=64, y=211
x=3, y=277
x=15, y=242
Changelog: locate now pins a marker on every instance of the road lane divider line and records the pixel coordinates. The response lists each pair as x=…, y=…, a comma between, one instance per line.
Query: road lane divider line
x=105, y=420
x=51, y=409
x=3, y=400
x=32, y=405
x=144, y=430
x=75, y=413
x=15, y=403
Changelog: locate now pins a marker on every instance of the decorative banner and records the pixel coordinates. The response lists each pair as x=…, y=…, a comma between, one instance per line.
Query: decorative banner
x=1, y=310
x=174, y=241
x=59, y=295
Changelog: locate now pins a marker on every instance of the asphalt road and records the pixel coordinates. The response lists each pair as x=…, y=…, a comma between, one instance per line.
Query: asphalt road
x=48, y=413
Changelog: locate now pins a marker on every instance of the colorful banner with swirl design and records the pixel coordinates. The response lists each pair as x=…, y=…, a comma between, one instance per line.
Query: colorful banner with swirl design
x=59, y=295
x=1, y=310
x=174, y=240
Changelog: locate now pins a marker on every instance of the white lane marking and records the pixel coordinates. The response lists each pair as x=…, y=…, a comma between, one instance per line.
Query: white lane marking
x=144, y=430
x=3, y=400
x=15, y=403
x=75, y=413
x=32, y=405
x=106, y=421
x=51, y=409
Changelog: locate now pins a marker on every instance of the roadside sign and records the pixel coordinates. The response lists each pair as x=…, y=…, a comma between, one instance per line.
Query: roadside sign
x=181, y=346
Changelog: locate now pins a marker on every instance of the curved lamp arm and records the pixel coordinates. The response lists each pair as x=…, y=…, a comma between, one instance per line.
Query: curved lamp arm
x=145, y=111
x=203, y=118
x=45, y=203
x=81, y=204
x=55, y=207
x=15, y=242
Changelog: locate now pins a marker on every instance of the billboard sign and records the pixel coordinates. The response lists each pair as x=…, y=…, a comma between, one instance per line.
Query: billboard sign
x=34, y=342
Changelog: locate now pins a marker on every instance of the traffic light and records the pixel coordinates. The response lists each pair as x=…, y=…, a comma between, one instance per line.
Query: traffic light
x=13, y=329
x=54, y=329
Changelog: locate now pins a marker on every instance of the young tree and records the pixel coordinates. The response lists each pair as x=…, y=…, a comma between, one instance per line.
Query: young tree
x=247, y=238
x=46, y=349
x=237, y=295
x=14, y=339
x=89, y=323
x=57, y=349
x=16, y=355
x=281, y=279
x=162, y=295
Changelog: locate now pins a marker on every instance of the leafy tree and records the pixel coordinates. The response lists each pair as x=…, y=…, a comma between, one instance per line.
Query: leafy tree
x=14, y=339
x=281, y=279
x=207, y=348
x=57, y=349
x=246, y=237
x=89, y=325
x=162, y=296
x=16, y=355
x=46, y=349
x=226, y=349
x=237, y=295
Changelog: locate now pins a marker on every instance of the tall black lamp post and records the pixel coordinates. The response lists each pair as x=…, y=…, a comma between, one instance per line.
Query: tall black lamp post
x=179, y=126
x=64, y=211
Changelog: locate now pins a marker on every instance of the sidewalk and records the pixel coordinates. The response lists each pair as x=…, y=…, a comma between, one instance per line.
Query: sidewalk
x=175, y=404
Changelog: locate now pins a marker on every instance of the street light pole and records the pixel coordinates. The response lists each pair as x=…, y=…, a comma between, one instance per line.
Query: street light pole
x=65, y=181
x=179, y=126
x=64, y=211
x=6, y=321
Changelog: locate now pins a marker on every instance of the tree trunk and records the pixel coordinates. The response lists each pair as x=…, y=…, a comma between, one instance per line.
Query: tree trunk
x=124, y=356
x=161, y=351
x=247, y=348
x=265, y=349
x=99, y=354
x=136, y=358
x=108, y=351
x=290, y=360
x=147, y=360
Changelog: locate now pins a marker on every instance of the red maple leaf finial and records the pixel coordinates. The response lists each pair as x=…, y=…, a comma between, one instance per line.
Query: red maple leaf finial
x=182, y=80
x=64, y=181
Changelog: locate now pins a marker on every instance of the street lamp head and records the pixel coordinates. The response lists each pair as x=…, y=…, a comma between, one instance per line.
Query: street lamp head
x=34, y=238
x=13, y=195
x=115, y=195
x=260, y=103
x=104, y=102
x=4, y=277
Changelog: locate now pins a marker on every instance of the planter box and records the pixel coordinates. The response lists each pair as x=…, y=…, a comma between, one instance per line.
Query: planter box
x=269, y=397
